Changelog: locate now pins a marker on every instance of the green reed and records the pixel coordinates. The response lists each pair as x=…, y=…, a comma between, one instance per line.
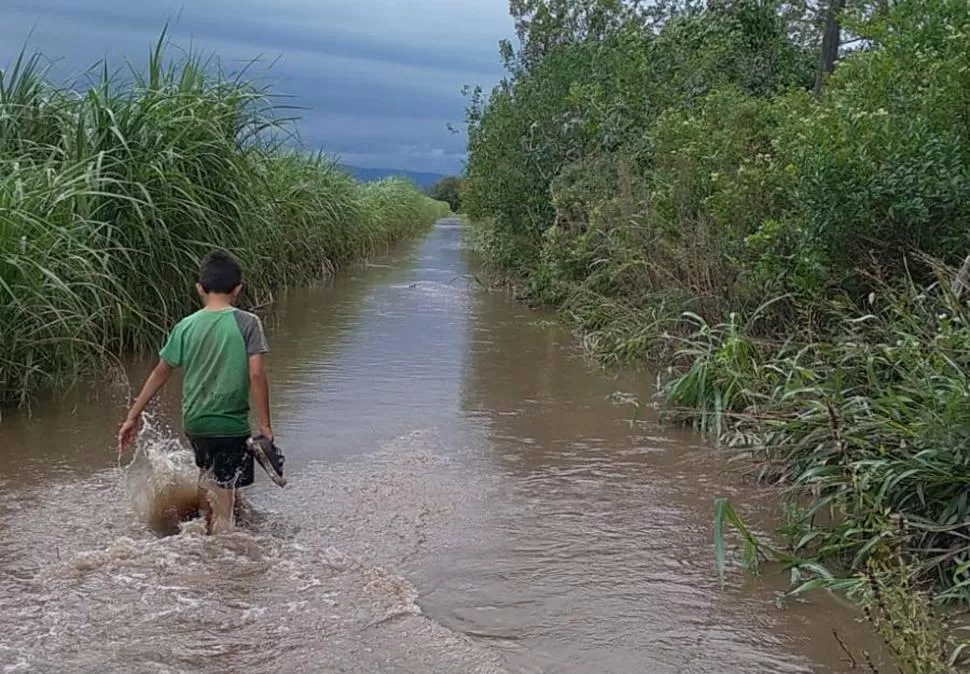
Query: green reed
x=111, y=192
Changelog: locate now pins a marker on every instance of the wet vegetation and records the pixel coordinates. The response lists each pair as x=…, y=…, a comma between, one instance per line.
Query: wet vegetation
x=770, y=199
x=112, y=189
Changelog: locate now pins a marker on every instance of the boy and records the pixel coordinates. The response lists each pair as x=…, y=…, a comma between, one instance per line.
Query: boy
x=221, y=349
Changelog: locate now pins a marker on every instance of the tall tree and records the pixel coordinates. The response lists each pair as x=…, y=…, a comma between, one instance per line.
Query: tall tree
x=831, y=37
x=541, y=25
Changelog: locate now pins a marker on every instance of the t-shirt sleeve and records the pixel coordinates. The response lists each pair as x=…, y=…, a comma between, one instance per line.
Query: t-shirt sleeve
x=252, y=332
x=172, y=351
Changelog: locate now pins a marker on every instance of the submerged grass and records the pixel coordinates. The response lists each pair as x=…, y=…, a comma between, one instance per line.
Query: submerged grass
x=865, y=431
x=110, y=194
x=862, y=425
x=857, y=411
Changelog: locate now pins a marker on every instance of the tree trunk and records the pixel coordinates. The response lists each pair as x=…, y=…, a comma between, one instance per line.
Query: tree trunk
x=830, y=44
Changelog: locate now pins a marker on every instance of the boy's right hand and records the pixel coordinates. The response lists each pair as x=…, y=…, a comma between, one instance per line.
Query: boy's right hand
x=128, y=432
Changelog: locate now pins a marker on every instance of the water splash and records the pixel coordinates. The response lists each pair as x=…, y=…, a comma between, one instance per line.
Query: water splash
x=161, y=483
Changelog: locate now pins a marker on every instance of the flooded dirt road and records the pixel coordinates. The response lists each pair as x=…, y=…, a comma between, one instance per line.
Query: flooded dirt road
x=465, y=495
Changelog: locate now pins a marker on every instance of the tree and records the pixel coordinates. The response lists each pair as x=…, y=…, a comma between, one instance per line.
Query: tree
x=830, y=44
x=542, y=25
x=448, y=189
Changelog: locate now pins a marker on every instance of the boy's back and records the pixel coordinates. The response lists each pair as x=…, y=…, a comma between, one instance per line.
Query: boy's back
x=214, y=347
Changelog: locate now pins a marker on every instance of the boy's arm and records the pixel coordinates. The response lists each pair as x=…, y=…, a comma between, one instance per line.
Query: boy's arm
x=156, y=380
x=170, y=357
x=259, y=384
x=256, y=349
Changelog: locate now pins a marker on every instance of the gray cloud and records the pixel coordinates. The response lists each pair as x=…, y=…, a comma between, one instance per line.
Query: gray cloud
x=381, y=82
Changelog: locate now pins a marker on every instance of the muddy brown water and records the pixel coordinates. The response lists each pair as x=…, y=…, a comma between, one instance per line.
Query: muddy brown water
x=466, y=495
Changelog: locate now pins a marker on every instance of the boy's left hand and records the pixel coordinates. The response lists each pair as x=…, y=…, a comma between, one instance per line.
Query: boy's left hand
x=266, y=432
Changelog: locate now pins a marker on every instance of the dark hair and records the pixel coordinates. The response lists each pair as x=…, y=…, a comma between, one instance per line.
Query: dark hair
x=219, y=272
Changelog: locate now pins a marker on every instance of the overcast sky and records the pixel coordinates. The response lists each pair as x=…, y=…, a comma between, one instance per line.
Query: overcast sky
x=381, y=79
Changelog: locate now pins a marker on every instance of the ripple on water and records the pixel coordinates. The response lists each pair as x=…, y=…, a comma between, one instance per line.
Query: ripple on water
x=287, y=592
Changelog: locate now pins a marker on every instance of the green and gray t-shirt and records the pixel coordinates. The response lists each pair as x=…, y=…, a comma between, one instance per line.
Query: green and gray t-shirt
x=214, y=348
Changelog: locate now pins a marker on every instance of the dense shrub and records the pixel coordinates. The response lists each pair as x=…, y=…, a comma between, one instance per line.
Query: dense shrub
x=675, y=170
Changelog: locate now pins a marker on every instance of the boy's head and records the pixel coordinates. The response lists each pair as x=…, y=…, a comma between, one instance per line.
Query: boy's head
x=219, y=274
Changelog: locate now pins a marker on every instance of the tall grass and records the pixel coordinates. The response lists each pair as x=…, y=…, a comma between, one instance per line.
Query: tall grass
x=110, y=194
x=866, y=431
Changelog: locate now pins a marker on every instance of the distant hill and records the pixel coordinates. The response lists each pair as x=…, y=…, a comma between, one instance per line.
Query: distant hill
x=424, y=180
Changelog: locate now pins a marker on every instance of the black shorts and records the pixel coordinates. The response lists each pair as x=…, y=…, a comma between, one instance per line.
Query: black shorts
x=227, y=460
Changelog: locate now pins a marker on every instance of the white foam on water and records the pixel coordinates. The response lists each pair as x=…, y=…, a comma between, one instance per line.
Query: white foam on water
x=306, y=589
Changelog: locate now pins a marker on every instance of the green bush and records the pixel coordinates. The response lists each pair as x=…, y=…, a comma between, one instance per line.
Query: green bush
x=673, y=168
